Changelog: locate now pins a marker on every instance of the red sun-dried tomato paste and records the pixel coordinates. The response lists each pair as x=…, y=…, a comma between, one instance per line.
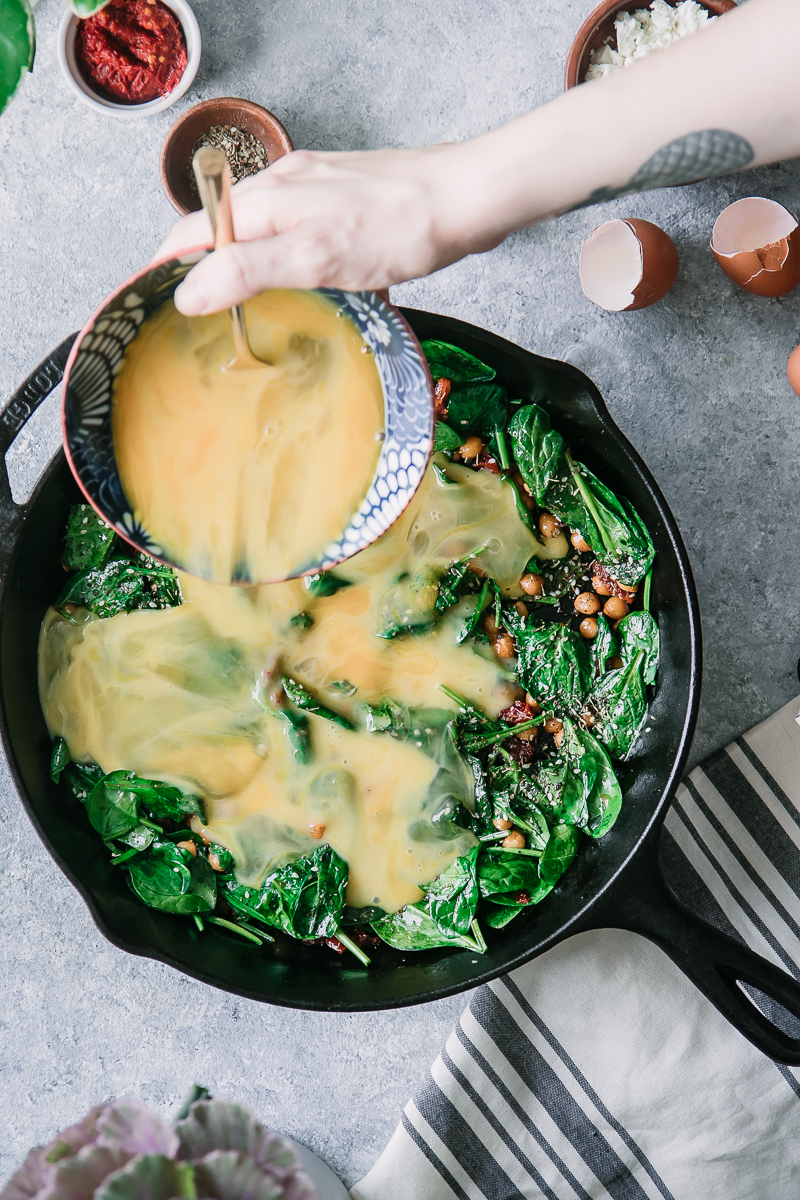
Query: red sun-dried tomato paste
x=132, y=49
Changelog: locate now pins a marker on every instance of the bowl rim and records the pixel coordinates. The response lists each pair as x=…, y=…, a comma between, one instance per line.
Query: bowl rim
x=66, y=55
x=607, y=11
x=255, y=109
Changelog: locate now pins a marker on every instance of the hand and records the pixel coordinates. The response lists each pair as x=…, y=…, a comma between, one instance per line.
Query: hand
x=354, y=221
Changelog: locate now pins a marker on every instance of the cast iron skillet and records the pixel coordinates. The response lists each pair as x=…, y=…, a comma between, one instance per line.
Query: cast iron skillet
x=614, y=882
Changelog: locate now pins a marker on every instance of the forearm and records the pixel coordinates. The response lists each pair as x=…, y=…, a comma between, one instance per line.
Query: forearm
x=725, y=98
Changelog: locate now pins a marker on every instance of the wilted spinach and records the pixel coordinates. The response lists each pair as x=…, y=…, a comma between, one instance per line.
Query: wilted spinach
x=553, y=663
x=451, y=899
x=639, y=631
x=324, y=583
x=619, y=706
x=445, y=438
x=413, y=928
x=122, y=585
x=302, y=698
x=172, y=880
x=88, y=541
x=538, y=449
x=450, y=362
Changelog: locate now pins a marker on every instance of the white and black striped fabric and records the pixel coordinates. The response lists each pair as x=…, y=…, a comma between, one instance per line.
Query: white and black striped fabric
x=598, y=1071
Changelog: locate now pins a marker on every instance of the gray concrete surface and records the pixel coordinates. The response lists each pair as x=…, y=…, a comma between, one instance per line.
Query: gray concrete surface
x=697, y=383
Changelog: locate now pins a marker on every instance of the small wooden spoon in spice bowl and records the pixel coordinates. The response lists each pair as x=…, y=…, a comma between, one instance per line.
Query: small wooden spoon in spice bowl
x=250, y=137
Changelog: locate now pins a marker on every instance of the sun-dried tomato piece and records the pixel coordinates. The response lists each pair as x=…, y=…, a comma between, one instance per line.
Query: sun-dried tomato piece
x=441, y=392
x=518, y=712
x=485, y=462
x=617, y=589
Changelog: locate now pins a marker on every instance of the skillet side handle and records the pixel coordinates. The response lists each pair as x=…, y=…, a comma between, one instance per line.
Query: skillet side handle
x=641, y=902
x=22, y=405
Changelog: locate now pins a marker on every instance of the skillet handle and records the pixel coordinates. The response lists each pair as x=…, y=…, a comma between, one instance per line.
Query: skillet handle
x=22, y=405
x=640, y=901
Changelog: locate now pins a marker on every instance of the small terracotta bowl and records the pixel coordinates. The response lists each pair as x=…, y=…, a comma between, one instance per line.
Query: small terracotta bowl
x=224, y=110
x=598, y=29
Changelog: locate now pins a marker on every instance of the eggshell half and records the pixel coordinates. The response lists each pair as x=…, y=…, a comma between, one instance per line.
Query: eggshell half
x=793, y=370
x=627, y=264
x=757, y=243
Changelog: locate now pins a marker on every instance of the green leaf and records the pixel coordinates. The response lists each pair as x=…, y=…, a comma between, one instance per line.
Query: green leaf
x=88, y=541
x=148, y=1177
x=59, y=758
x=558, y=853
x=450, y=362
x=161, y=800
x=408, y=606
x=413, y=928
x=615, y=531
x=605, y=799
x=302, y=620
x=500, y=872
x=81, y=778
x=619, y=706
x=639, y=631
x=538, y=449
x=302, y=698
x=306, y=898
x=474, y=615
x=113, y=809
x=324, y=583
x=445, y=438
x=17, y=46
x=497, y=916
x=85, y=8
x=479, y=408
x=138, y=838
x=603, y=647
x=122, y=585
x=163, y=879
x=553, y=664
x=452, y=897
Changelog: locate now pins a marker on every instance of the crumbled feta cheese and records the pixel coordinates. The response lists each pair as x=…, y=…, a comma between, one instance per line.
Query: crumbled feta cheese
x=640, y=33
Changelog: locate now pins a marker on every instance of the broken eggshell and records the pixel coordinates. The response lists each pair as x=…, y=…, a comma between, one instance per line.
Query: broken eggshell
x=793, y=370
x=627, y=264
x=757, y=243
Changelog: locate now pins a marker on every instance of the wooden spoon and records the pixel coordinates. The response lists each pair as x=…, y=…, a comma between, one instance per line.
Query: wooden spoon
x=213, y=177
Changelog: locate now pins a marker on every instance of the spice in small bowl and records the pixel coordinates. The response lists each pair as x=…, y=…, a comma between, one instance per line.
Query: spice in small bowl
x=245, y=153
x=250, y=136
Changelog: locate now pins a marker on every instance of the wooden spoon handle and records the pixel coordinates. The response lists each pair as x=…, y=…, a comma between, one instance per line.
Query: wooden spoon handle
x=213, y=177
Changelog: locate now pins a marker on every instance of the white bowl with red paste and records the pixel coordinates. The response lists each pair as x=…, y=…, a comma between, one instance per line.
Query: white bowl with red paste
x=132, y=58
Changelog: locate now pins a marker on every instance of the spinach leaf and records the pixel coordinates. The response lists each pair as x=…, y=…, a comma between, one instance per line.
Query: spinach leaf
x=562, y=577
x=162, y=801
x=619, y=706
x=474, y=616
x=553, y=663
x=480, y=408
x=497, y=916
x=500, y=872
x=138, y=838
x=457, y=581
x=324, y=583
x=122, y=585
x=81, y=778
x=306, y=898
x=361, y=916
x=163, y=879
x=450, y=362
x=445, y=438
x=614, y=529
x=413, y=928
x=59, y=758
x=605, y=799
x=88, y=540
x=408, y=606
x=452, y=897
x=484, y=808
x=559, y=853
x=302, y=620
x=380, y=718
x=538, y=449
x=295, y=723
x=303, y=699
x=639, y=631
x=112, y=808
x=604, y=646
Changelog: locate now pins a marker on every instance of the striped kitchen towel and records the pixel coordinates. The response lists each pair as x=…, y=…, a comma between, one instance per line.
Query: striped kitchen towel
x=598, y=1070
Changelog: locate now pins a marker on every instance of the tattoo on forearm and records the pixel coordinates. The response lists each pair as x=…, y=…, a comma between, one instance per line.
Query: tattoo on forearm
x=694, y=156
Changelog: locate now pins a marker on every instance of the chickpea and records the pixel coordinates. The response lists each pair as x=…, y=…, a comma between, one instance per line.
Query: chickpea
x=190, y=846
x=476, y=569
x=588, y=628
x=532, y=704
x=504, y=646
x=213, y=861
x=501, y=823
x=514, y=841
x=600, y=586
x=615, y=663
x=490, y=625
x=579, y=542
x=549, y=526
x=527, y=735
x=587, y=603
x=521, y=608
x=553, y=725
x=615, y=608
x=472, y=447
x=532, y=584
x=558, y=736
x=316, y=829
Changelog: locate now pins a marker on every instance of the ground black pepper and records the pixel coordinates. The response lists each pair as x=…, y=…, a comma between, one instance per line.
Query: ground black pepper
x=246, y=155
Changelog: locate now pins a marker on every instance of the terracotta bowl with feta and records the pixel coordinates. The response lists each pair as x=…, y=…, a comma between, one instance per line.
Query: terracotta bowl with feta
x=618, y=32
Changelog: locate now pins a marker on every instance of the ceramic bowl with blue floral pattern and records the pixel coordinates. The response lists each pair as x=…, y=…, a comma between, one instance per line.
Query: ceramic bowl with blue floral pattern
x=97, y=357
